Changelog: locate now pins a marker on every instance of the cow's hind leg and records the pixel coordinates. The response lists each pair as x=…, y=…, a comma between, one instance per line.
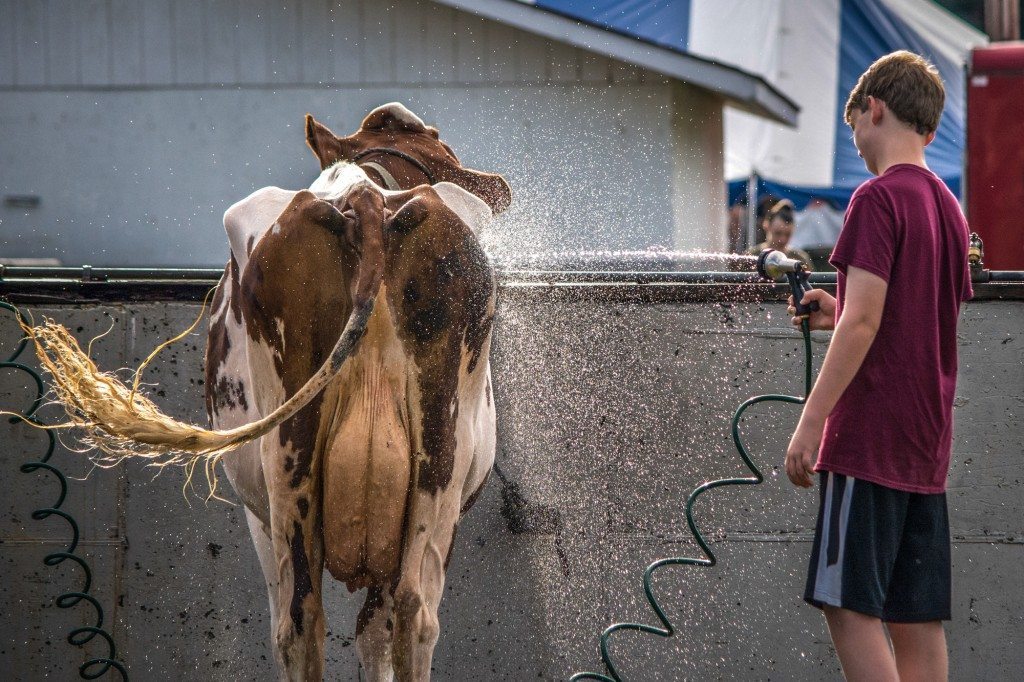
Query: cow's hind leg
x=298, y=551
x=373, y=635
x=265, y=552
x=431, y=532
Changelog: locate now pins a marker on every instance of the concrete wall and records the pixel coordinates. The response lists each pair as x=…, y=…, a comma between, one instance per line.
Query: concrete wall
x=610, y=413
x=137, y=124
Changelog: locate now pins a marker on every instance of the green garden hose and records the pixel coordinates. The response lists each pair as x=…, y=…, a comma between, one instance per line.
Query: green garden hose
x=99, y=664
x=708, y=560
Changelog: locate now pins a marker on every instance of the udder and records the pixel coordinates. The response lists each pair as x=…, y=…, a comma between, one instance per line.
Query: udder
x=366, y=470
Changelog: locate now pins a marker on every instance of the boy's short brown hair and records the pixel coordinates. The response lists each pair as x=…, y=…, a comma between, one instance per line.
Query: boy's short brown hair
x=909, y=85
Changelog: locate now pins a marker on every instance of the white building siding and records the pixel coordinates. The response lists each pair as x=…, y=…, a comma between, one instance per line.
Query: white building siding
x=159, y=43
x=137, y=124
x=697, y=169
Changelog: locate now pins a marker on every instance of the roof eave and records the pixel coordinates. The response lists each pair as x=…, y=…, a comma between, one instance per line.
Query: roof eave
x=740, y=89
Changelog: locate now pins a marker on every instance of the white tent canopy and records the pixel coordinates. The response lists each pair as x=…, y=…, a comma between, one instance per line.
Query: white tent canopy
x=814, y=52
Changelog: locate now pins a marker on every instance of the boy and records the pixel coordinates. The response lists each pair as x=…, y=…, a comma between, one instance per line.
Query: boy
x=881, y=410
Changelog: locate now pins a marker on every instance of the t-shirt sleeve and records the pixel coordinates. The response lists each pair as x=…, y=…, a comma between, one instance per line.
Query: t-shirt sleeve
x=868, y=238
x=967, y=289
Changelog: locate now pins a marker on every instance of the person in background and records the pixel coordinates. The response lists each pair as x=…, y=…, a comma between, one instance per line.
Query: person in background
x=764, y=205
x=737, y=224
x=817, y=229
x=779, y=223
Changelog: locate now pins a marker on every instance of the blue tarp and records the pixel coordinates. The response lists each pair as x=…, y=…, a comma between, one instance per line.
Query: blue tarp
x=867, y=29
x=661, y=22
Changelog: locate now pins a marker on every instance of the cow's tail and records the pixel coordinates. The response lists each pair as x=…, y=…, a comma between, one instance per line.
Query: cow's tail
x=121, y=422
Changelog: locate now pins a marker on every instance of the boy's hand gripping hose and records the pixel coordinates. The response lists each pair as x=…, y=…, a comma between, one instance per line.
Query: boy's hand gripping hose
x=798, y=281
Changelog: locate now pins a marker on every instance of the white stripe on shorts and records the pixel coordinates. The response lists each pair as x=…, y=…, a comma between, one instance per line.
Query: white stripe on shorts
x=828, y=580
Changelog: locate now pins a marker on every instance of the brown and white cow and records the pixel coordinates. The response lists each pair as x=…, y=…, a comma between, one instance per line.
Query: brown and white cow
x=369, y=478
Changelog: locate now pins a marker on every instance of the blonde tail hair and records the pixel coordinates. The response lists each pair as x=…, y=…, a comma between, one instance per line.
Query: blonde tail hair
x=121, y=422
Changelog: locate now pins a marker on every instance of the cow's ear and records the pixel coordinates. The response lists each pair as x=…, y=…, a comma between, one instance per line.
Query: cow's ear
x=490, y=187
x=325, y=144
x=393, y=116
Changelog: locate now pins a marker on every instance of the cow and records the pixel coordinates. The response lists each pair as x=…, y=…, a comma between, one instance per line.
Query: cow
x=371, y=476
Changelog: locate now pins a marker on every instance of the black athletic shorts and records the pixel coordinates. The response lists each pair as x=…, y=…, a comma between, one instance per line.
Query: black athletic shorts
x=880, y=551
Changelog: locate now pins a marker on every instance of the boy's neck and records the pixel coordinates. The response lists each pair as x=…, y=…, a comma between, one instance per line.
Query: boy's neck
x=901, y=149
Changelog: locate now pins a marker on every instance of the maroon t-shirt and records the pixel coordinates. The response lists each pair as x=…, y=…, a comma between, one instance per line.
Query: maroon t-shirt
x=894, y=423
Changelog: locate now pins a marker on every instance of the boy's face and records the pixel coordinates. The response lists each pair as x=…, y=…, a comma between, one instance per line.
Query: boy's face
x=864, y=124
x=876, y=130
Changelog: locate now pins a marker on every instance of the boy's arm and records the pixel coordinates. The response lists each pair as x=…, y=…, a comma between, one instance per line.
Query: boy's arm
x=854, y=334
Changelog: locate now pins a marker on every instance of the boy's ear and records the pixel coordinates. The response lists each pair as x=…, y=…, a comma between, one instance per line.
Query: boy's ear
x=876, y=107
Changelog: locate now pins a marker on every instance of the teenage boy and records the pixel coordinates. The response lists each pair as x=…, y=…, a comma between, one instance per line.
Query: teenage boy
x=878, y=424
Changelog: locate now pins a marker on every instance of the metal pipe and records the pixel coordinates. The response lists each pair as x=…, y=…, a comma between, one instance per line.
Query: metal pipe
x=88, y=273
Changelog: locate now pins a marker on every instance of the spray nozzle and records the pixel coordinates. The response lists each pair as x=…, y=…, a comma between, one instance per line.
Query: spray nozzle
x=772, y=264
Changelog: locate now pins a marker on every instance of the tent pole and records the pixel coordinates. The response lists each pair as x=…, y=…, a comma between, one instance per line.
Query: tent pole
x=1002, y=19
x=751, y=210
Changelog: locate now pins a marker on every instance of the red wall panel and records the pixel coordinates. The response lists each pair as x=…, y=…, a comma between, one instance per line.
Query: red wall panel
x=995, y=153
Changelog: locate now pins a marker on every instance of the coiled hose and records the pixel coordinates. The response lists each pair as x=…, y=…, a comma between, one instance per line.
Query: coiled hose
x=708, y=560
x=96, y=667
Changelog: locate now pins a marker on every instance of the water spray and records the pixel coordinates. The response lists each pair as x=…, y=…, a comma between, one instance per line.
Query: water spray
x=770, y=265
